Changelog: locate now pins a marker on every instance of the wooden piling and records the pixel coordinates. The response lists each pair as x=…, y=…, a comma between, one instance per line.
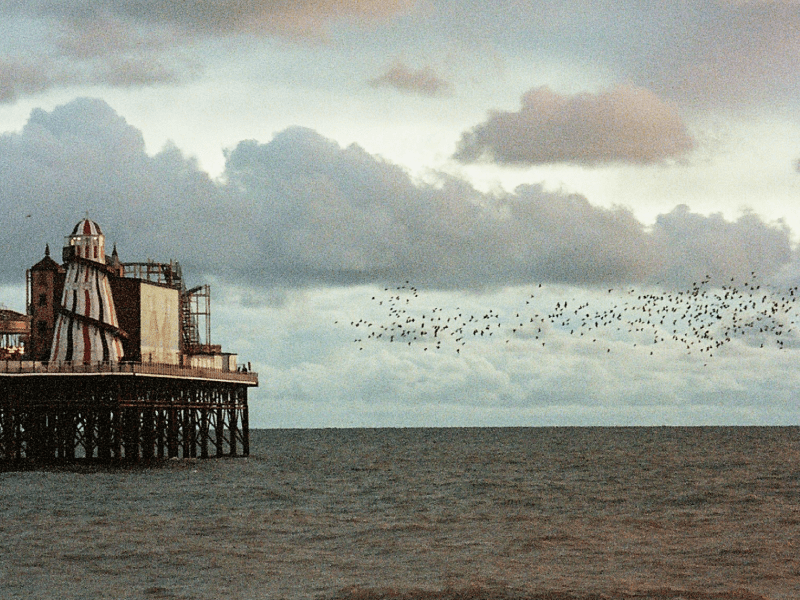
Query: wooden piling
x=120, y=416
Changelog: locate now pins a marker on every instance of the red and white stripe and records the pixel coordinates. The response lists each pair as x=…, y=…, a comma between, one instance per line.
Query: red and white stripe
x=87, y=294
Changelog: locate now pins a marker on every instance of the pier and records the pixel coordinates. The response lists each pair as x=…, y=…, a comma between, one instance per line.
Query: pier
x=115, y=412
x=115, y=364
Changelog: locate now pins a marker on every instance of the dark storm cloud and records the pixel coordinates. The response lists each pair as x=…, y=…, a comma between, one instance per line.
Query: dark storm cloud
x=424, y=81
x=625, y=124
x=301, y=210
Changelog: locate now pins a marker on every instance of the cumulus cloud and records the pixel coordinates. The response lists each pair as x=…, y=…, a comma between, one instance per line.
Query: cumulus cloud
x=300, y=210
x=424, y=81
x=340, y=213
x=700, y=245
x=299, y=215
x=84, y=157
x=624, y=124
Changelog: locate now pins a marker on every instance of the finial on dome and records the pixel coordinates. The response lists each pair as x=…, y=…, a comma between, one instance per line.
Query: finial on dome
x=47, y=249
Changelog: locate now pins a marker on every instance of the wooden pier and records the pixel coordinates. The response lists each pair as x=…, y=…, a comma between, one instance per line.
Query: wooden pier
x=114, y=412
x=114, y=362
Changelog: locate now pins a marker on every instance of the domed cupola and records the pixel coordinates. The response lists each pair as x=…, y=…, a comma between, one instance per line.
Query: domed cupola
x=86, y=241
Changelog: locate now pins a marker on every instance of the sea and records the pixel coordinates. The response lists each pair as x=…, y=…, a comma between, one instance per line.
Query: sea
x=597, y=513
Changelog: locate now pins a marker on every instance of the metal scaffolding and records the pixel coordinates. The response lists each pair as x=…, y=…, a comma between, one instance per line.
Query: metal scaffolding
x=168, y=273
x=195, y=303
x=196, y=317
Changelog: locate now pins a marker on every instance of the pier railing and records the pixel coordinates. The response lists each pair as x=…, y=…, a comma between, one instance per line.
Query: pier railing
x=12, y=367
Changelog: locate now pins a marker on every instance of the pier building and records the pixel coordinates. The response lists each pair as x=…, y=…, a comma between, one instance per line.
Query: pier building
x=15, y=330
x=114, y=361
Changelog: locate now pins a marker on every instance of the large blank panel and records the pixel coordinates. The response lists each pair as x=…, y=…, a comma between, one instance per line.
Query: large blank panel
x=160, y=319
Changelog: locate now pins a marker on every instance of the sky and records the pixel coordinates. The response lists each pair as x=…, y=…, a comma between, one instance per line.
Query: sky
x=313, y=161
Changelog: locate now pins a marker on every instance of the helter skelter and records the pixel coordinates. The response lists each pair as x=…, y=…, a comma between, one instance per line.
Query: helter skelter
x=118, y=366
x=87, y=329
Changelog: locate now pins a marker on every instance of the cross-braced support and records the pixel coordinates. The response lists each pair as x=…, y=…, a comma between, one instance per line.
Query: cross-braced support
x=115, y=417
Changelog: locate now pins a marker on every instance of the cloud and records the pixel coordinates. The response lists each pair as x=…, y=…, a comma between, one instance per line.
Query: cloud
x=742, y=54
x=341, y=215
x=702, y=54
x=134, y=72
x=313, y=375
x=423, y=81
x=299, y=220
x=714, y=53
x=21, y=78
x=213, y=17
x=81, y=157
x=143, y=43
x=301, y=211
x=105, y=53
x=624, y=124
x=100, y=33
x=701, y=245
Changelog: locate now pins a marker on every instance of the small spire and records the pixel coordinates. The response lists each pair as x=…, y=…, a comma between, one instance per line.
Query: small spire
x=47, y=249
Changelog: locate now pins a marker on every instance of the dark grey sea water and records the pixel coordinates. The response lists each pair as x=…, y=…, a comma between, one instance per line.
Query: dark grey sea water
x=692, y=513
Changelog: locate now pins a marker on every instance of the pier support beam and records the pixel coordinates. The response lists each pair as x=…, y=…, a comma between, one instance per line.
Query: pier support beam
x=118, y=417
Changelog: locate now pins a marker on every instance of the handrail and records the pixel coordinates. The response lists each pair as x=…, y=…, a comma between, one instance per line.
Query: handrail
x=66, y=367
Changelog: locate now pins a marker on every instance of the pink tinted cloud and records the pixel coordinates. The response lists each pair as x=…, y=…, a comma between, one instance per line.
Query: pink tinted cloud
x=624, y=124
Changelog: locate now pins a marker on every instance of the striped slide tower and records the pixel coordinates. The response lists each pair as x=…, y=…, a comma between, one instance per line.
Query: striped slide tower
x=87, y=330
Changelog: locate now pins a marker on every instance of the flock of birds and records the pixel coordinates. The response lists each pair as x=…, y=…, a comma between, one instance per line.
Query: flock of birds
x=699, y=320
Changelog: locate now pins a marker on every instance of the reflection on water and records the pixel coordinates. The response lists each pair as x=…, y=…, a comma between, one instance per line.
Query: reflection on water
x=421, y=513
